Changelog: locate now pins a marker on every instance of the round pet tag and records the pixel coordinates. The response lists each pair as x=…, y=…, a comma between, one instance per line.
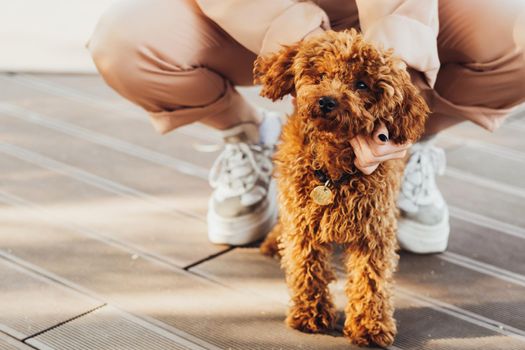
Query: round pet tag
x=322, y=195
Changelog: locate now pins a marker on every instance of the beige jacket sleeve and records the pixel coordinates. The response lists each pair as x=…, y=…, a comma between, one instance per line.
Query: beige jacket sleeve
x=263, y=26
x=410, y=27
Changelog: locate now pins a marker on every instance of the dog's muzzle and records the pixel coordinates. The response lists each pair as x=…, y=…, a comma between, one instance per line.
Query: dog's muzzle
x=327, y=104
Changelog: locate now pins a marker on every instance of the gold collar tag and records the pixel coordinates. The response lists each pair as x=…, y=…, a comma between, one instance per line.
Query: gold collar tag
x=322, y=195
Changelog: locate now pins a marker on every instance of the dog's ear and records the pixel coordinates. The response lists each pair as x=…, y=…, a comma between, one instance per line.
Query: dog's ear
x=275, y=73
x=410, y=112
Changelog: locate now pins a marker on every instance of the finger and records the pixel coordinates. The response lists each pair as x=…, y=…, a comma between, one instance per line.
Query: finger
x=354, y=142
x=367, y=159
x=364, y=160
x=368, y=170
x=395, y=155
x=359, y=161
x=369, y=167
x=364, y=154
x=357, y=145
x=380, y=135
x=388, y=148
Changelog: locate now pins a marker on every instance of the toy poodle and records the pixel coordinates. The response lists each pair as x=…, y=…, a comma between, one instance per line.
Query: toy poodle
x=343, y=86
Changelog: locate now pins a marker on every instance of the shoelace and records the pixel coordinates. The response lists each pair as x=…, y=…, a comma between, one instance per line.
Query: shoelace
x=419, y=184
x=239, y=167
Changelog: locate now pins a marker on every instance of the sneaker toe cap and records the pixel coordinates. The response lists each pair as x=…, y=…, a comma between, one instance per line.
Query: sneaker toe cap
x=426, y=214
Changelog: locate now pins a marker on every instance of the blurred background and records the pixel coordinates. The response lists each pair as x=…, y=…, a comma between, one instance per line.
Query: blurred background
x=47, y=35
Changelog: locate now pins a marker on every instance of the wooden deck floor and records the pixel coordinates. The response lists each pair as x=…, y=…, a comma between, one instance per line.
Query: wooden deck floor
x=103, y=244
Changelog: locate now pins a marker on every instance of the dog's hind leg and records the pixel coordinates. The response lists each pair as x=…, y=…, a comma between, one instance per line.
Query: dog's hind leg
x=369, y=313
x=308, y=273
x=270, y=246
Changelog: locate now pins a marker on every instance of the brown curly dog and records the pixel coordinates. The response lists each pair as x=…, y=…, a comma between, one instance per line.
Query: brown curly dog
x=343, y=86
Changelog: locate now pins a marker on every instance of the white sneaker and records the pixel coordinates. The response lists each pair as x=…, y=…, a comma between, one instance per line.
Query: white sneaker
x=243, y=206
x=424, y=223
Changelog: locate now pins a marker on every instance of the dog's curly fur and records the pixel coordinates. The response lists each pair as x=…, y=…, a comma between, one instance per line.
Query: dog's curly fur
x=362, y=216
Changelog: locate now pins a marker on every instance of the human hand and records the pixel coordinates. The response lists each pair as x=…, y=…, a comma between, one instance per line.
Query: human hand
x=315, y=32
x=370, y=151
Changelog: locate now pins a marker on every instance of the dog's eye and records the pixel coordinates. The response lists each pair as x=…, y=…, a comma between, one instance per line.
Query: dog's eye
x=361, y=85
x=320, y=78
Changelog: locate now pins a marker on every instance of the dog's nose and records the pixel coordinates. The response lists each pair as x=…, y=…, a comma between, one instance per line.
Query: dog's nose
x=327, y=104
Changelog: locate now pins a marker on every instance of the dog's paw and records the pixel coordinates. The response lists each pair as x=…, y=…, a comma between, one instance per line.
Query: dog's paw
x=384, y=338
x=270, y=245
x=270, y=248
x=381, y=334
x=311, y=320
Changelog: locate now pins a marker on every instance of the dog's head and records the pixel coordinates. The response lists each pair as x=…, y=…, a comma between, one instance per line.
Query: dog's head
x=345, y=86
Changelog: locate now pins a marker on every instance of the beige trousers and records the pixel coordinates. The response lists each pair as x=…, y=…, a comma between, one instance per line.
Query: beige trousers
x=169, y=58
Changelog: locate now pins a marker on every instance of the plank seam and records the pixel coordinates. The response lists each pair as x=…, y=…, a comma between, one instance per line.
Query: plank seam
x=485, y=182
x=516, y=124
x=63, y=322
x=87, y=99
x=113, y=143
x=64, y=168
x=15, y=340
x=106, y=238
x=485, y=221
x=465, y=315
x=67, y=92
x=80, y=96
x=484, y=268
x=458, y=312
x=494, y=149
x=94, y=137
x=90, y=178
x=156, y=325
x=208, y=258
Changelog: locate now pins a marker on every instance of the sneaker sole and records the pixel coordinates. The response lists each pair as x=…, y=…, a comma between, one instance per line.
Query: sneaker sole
x=423, y=239
x=247, y=228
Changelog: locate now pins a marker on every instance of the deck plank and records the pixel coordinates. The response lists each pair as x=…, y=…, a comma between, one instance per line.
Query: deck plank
x=506, y=171
x=108, y=328
x=419, y=325
x=130, y=125
x=509, y=135
x=121, y=226
x=93, y=86
x=9, y=343
x=30, y=304
x=149, y=226
x=480, y=293
x=131, y=171
x=476, y=198
x=196, y=306
x=487, y=245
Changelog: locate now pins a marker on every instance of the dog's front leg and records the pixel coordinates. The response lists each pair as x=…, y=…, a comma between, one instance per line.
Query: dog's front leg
x=369, y=313
x=308, y=273
x=270, y=245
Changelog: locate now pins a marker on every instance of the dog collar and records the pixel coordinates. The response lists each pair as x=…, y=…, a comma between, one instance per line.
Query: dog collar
x=322, y=194
x=324, y=178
